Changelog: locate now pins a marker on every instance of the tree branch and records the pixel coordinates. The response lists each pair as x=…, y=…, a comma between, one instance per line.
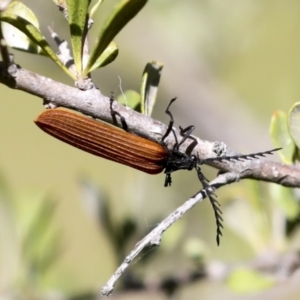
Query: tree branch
x=92, y=103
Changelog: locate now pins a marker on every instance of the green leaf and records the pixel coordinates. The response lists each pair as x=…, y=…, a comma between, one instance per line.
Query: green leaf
x=122, y=13
x=16, y=38
x=77, y=18
x=109, y=55
x=284, y=198
x=35, y=36
x=40, y=236
x=294, y=123
x=281, y=137
x=130, y=98
x=150, y=82
x=246, y=281
x=39, y=223
x=294, y=128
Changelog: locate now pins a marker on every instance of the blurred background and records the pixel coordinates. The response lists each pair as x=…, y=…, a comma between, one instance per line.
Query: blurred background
x=231, y=64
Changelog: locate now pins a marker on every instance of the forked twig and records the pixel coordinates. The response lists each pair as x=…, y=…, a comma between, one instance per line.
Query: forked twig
x=154, y=237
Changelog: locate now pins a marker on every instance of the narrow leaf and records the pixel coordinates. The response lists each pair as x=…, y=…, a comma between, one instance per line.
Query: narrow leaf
x=149, y=87
x=294, y=128
x=35, y=36
x=286, y=200
x=16, y=38
x=281, y=137
x=77, y=18
x=294, y=123
x=130, y=98
x=108, y=56
x=120, y=16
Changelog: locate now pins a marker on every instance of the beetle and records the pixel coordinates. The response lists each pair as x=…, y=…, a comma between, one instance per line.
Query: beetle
x=115, y=144
x=104, y=140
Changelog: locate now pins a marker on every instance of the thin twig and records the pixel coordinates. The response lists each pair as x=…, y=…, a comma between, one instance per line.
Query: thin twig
x=154, y=237
x=64, y=52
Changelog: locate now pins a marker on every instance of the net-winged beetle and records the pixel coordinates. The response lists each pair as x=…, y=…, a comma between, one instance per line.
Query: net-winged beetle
x=120, y=146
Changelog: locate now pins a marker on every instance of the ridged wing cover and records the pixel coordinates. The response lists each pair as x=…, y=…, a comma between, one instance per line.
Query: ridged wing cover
x=104, y=140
